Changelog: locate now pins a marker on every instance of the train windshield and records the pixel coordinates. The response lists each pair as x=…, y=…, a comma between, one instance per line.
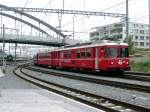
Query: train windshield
x=124, y=52
x=112, y=52
x=117, y=52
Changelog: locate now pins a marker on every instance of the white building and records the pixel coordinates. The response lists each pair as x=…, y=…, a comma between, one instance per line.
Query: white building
x=137, y=31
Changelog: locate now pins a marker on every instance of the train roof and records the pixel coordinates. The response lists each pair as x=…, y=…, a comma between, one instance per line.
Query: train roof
x=89, y=46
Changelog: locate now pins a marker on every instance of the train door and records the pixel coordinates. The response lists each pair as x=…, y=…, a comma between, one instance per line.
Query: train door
x=73, y=57
x=101, y=56
x=36, y=59
x=53, y=60
x=56, y=59
x=96, y=58
x=61, y=58
x=50, y=58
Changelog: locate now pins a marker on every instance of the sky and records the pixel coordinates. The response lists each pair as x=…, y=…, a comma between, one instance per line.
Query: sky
x=138, y=12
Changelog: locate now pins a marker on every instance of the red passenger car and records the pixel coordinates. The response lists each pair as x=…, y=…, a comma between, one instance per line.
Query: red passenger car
x=99, y=57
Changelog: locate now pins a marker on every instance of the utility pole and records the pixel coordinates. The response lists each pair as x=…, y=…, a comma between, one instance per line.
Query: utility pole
x=60, y=20
x=127, y=20
x=149, y=21
x=4, y=64
x=15, y=51
x=73, y=28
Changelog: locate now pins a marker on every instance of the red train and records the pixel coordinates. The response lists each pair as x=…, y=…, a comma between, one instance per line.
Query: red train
x=98, y=57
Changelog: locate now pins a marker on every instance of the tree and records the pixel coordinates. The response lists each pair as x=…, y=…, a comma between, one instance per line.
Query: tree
x=131, y=45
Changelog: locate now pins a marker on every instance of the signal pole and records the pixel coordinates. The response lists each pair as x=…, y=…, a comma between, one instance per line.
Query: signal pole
x=149, y=21
x=127, y=20
x=4, y=64
x=73, y=28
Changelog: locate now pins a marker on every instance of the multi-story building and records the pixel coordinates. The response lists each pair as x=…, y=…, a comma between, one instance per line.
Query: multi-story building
x=137, y=31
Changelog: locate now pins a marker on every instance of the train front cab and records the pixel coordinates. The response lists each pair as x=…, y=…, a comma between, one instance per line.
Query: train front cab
x=113, y=58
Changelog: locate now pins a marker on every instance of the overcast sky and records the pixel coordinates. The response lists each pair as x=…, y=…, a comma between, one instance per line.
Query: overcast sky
x=138, y=12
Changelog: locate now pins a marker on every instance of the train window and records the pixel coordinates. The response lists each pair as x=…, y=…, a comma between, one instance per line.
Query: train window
x=78, y=53
x=61, y=55
x=52, y=55
x=102, y=52
x=124, y=52
x=67, y=54
x=83, y=54
x=44, y=55
x=88, y=53
x=105, y=52
x=112, y=52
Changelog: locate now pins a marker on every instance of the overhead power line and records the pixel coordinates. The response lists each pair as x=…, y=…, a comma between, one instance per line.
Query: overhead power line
x=26, y=3
x=73, y=4
x=74, y=12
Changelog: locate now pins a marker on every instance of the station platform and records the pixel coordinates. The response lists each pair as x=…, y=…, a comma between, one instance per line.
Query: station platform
x=17, y=95
x=31, y=100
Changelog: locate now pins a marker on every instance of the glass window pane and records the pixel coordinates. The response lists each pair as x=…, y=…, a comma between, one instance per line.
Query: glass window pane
x=112, y=52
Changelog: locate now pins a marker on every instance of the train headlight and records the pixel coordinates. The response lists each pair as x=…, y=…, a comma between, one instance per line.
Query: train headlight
x=124, y=61
x=127, y=62
x=111, y=62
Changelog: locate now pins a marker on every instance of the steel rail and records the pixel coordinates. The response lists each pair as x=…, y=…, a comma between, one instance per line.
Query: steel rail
x=137, y=73
x=100, y=102
x=97, y=81
x=136, y=77
x=139, y=76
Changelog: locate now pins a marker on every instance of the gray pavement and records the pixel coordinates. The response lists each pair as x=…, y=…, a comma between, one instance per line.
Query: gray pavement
x=17, y=95
x=11, y=81
x=28, y=100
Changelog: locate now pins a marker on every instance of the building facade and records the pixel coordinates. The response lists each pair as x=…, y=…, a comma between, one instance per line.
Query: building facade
x=137, y=31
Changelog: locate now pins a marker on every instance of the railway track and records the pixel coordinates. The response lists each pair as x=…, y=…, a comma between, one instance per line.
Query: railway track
x=127, y=75
x=132, y=76
x=90, y=79
x=100, y=102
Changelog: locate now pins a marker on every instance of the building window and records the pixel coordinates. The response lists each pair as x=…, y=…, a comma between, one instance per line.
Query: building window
x=135, y=31
x=141, y=31
x=146, y=32
x=135, y=25
x=136, y=37
x=141, y=43
x=93, y=34
x=136, y=43
x=142, y=26
x=123, y=25
x=147, y=38
x=147, y=44
x=141, y=37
